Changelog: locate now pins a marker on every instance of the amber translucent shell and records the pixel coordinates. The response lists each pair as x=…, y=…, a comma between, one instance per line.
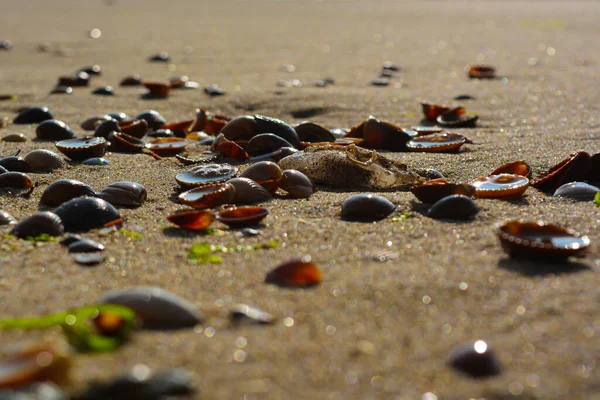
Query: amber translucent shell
x=295, y=273
x=482, y=72
x=108, y=323
x=123, y=143
x=538, y=240
x=437, y=189
x=193, y=220
x=82, y=149
x=573, y=169
x=135, y=127
x=208, y=196
x=228, y=148
x=240, y=217
x=378, y=134
x=166, y=147
x=503, y=186
x=158, y=89
x=179, y=126
x=437, y=143
x=432, y=111
x=209, y=122
x=516, y=168
x=39, y=362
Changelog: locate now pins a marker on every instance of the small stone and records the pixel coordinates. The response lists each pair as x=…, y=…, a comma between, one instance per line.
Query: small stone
x=104, y=91
x=160, y=57
x=380, y=82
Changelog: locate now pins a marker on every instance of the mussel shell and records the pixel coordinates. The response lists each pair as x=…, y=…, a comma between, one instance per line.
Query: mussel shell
x=157, y=89
x=266, y=173
x=78, y=79
x=298, y=185
x=208, y=196
x=122, y=143
x=104, y=91
x=106, y=127
x=475, y=361
x=384, y=135
x=577, y=190
x=92, y=70
x=6, y=218
x=313, y=133
x=153, y=118
x=85, y=246
x=248, y=191
x=2, y=169
x=64, y=190
x=437, y=143
x=240, y=128
x=92, y=123
x=575, y=168
x=33, y=115
x=456, y=118
x=14, y=163
x=128, y=194
x=44, y=160
x=136, y=128
x=482, y=72
x=54, y=130
x=366, y=208
x=195, y=220
x=432, y=111
x=133, y=80
x=62, y=89
x=16, y=181
x=14, y=138
x=82, y=149
x=228, y=148
x=119, y=116
x=241, y=217
x=38, y=224
x=456, y=206
x=265, y=143
x=203, y=174
x=166, y=147
x=277, y=127
x=295, y=273
x=432, y=191
x=503, y=186
x=276, y=155
x=83, y=213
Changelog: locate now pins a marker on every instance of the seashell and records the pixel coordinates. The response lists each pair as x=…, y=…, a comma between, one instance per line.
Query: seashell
x=248, y=191
x=437, y=143
x=228, y=148
x=475, y=360
x=594, y=170
x=577, y=190
x=3, y=170
x=239, y=128
x=92, y=123
x=54, y=130
x=208, y=195
x=214, y=90
x=296, y=184
x=380, y=82
x=33, y=115
x=35, y=391
x=16, y=182
x=62, y=89
x=106, y=127
x=14, y=163
x=516, y=168
x=265, y=173
x=78, y=79
x=157, y=308
x=313, y=133
x=295, y=273
x=162, y=133
x=64, y=190
x=38, y=224
x=166, y=147
x=70, y=239
x=135, y=127
x=82, y=149
x=178, y=82
x=455, y=206
x=482, y=72
x=92, y=70
x=6, y=218
x=82, y=214
x=503, y=186
x=104, y=91
x=437, y=189
x=153, y=118
x=211, y=123
x=277, y=127
x=276, y=155
x=241, y=313
x=575, y=168
x=241, y=217
x=122, y=143
x=389, y=66
x=380, y=135
x=432, y=111
x=366, y=207
x=14, y=138
x=127, y=194
x=96, y=161
x=209, y=173
x=163, y=56
x=457, y=118
x=44, y=160
x=426, y=130
x=265, y=143
x=132, y=80
x=540, y=241
x=180, y=127
x=85, y=246
x=157, y=89
x=35, y=362
x=119, y=116
x=193, y=220
x=89, y=259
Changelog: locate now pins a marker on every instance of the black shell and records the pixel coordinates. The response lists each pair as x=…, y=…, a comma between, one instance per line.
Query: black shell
x=265, y=143
x=119, y=116
x=153, y=118
x=455, y=206
x=85, y=246
x=54, y=130
x=38, y=224
x=298, y=185
x=84, y=213
x=16, y=181
x=128, y=194
x=6, y=218
x=64, y=190
x=277, y=127
x=104, y=91
x=14, y=163
x=475, y=360
x=105, y=128
x=366, y=207
x=311, y=132
x=33, y=115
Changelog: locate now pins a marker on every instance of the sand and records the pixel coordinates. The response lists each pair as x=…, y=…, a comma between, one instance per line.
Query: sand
x=371, y=330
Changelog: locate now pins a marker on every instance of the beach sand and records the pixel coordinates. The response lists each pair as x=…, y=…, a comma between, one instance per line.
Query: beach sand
x=371, y=330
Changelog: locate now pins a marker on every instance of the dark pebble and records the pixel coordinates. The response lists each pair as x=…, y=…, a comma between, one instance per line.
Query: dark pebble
x=160, y=57
x=214, y=90
x=33, y=115
x=476, y=360
x=104, y=91
x=456, y=206
x=366, y=208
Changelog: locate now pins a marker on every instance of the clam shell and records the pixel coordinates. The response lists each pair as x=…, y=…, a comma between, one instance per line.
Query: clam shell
x=503, y=186
x=38, y=224
x=515, y=167
x=384, y=135
x=277, y=127
x=577, y=190
x=64, y=190
x=122, y=143
x=437, y=189
x=33, y=115
x=295, y=273
x=136, y=128
x=572, y=169
x=482, y=72
x=166, y=147
x=476, y=360
x=432, y=111
x=106, y=127
x=208, y=196
x=54, y=130
x=265, y=173
x=298, y=185
x=133, y=80
x=437, y=143
x=313, y=133
x=157, y=308
x=203, y=174
x=128, y=194
x=248, y=191
x=366, y=207
x=228, y=148
x=158, y=89
x=193, y=220
x=265, y=143
x=16, y=181
x=457, y=118
x=82, y=149
x=85, y=246
x=14, y=138
x=244, y=313
x=14, y=163
x=6, y=218
x=96, y=161
x=241, y=217
x=240, y=128
x=453, y=207
x=44, y=160
x=82, y=214
x=92, y=123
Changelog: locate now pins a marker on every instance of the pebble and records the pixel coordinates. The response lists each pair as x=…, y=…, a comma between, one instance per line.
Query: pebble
x=366, y=208
x=104, y=91
x=456, y=206
x=475, y=360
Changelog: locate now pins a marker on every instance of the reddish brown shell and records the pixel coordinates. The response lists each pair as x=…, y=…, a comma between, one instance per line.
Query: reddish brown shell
x=241, y=217
x=158, y=89
x=82, y=149
x=265, y=173
x=482, y=72
x=208, y=196
x=573, y=169
x=540, y=241
x=134, y=127
x=516, y=167
x=432, y=111
x=437, y=189
x=123, y=143
x=503, y=186
x=193, y=220
x=457, y=118
x=209, y=122
x=228, y=148
x=166, y=147
x=437, y=143
x=179, y=126
x=381, y=135
x=295, y=273
x=132, y=80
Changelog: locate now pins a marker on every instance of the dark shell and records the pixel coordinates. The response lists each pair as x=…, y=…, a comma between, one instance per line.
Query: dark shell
x=135, y=127
x=208, y=195
x=127, y=194
x=96, y=161
x=162, y=133
x=241, y=217
x=70, y=239
x=380, y=82
x=503, y=186
x=167, y=147
x=82, y=214
x=437, y=189
x=389, y=66
x=298, y=185
x=54, y=130
x=44, y=160
x=228, y=148
x=38, y=224
x=3, y=170
x=313, y=133
x=14, y=138
x=457, y=118
x=133, y=80
x=577, y=190
x=573, y=169
x=178, y=82
x=243, y=313
x=432, y=111
x=265, y=173
x=14, y=163
x=515, y=167
x=104, y=91
x=453, y=207
x=16, y=181
x=106, y=127
x=482, y=72
x=206, y=174
x=78, y=79
x=594, y=171
x=213, y=124
x=214, y=90
x=276, y=155
x=33, y=115
x=122, y=143
x=475, y=360
x=240, y=128
x=158, y=89
x=6, y=218
x=265, y=143
x=82, y=149
x=295, y=273
x=89, y=259
x=163, y=56
x=153, y=118
x=92, y=70
x=366, y=207
x=194, y=220
x=62, y=89
x=277, y=127
x=248, y=191
x=64, y=190
x=380, y=135
x=540, y=241
x=85, y=246
x=119, y=116
x=437, y=143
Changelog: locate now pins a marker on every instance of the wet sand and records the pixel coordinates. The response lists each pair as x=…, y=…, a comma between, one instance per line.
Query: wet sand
x=371, y=330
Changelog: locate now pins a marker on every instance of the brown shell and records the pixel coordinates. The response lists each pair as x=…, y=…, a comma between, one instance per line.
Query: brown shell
x=457, y=118
x=482, y=72
x=265, y=173
x=209, y=122
x=135, y=127
x=380, y=135
x=193, y=220
x=240, y=128
x=432, y=111
x=503, y=186
x=14, y=138
x=228, y=148
x=437, y=143
x=158, y=89
x=573, y=169
x=92, y=123
x=515, y=167
x=132, y=80
x=123, y=143
x=208, y=196
x=166, y=147
x=82, y=149
x=179, y=126
x=240, y=217
x=313, y=133
x=437, y=189
x=248, y=191
x=295, y=273
x=16, y=181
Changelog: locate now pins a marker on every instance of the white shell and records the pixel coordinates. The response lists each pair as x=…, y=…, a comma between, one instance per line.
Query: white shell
x=577, y=190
